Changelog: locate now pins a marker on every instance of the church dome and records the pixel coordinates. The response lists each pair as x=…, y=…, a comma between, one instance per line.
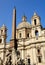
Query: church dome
x=24, y=23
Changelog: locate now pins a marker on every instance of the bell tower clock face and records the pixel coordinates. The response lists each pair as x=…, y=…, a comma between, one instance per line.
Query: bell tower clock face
x=0, y=40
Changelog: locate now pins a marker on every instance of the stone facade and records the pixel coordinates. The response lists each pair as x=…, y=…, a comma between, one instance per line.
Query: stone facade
x=30, y=42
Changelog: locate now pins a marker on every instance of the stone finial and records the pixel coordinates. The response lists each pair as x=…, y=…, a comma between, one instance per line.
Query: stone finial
x=35, y=13
x=24, y=18
x=3, y=25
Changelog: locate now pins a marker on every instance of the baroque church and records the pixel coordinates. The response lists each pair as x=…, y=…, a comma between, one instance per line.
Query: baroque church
x=27, y=43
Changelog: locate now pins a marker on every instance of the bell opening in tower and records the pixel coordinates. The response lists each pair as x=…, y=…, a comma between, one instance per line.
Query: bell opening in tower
x=35, y=21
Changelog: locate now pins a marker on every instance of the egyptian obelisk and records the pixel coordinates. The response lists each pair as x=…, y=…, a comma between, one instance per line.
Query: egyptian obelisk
x=13, y=42
x=13, y=38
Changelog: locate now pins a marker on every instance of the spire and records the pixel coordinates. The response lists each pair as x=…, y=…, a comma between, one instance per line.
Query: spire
x=14, y=24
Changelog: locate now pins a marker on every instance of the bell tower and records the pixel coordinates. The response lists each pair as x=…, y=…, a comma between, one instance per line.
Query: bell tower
x=3, y=34
x=35, y=20
x=36, y=25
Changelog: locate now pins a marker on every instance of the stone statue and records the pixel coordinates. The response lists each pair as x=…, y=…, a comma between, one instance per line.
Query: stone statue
x=19, y=60
x=9, y=59
x=1, y=61
x=8, y=62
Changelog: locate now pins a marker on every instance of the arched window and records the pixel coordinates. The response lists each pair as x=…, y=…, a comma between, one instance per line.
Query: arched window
x=39, y=55
x=28, y=59
x=35, y=21
x=39, y=59
x=20, y=35
x=36, y=33
x=28, y=35
x=38, y=50
x=0, y=40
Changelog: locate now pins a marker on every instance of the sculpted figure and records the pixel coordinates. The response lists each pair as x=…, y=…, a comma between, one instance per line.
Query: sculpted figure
x=1, y=61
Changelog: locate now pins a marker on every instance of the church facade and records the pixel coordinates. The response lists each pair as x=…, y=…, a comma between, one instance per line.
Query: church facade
x=30, y=41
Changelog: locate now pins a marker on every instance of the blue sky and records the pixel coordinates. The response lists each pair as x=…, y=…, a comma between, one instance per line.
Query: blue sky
x=27, y=7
